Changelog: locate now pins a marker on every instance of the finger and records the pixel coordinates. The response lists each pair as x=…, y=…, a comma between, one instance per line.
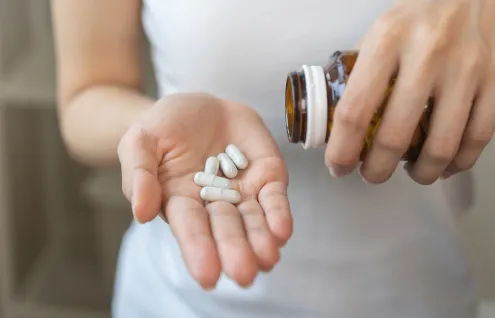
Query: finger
x=273, y=199
x=252, y=128
x=478, y=133
x=450, y=114
x=363, y=94
x=138, y=155
x=399, y=123
x=259, y=235
x=190, y=225
x=237, y=259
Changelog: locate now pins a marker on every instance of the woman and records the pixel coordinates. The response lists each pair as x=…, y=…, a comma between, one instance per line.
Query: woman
x=357, y=250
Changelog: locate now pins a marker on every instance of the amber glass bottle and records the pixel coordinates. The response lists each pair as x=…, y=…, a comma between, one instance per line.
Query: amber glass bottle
x=312, y=94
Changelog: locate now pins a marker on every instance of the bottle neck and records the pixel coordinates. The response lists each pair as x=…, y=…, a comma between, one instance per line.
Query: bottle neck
x=306, y=107
x=296, y=107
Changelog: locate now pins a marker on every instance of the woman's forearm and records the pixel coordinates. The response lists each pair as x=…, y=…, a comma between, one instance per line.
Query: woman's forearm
x=98, y=49
x=93, y=122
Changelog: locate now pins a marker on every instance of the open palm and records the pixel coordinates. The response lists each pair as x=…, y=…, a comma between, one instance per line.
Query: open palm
x=160, y=156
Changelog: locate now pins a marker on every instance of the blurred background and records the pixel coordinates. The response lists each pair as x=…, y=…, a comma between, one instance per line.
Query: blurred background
x=61, y=223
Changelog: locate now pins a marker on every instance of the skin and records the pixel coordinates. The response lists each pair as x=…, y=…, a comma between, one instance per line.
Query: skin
x=159, y=157
x=443, y=49
x=106, y=121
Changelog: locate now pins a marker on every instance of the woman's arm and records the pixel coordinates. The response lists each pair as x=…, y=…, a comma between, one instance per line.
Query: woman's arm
x=99, y=75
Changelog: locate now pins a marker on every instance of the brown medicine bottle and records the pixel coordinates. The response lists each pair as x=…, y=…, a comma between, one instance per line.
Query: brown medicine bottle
x=311, y=98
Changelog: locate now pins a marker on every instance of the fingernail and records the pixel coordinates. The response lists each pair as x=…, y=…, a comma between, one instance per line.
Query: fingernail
x=134, y=213
x=338, y=171
x=139, y=221
x=362, y=178
x=208, y=288
x=266, y=270
x=247, y=286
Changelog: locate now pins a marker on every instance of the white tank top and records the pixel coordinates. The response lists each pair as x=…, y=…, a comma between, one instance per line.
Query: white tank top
x=386, y=251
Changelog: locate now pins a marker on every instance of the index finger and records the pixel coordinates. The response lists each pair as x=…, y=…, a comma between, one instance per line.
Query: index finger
x=364, y=92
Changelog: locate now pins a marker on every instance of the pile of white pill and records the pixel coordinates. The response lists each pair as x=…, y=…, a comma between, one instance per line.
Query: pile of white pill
x=216, y=188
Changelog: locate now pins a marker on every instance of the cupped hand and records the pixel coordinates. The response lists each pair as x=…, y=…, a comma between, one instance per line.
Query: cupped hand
x=159, y=157
x=439, y=48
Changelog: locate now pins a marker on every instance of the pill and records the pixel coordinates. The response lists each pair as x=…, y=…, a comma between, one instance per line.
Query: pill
x=212, y=194
x=210, y=180
x=237, y=156
x=211, y=166
x=227, y=165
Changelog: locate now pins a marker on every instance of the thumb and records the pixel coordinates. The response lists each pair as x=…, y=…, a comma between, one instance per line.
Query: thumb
x=139, y=158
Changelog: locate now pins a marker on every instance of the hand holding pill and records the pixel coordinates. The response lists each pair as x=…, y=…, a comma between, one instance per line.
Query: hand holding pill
x=215, y=172
x=218, y=188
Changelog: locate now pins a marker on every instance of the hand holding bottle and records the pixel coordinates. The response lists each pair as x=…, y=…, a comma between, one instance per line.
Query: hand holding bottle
x=160, y=156
x=440, y=49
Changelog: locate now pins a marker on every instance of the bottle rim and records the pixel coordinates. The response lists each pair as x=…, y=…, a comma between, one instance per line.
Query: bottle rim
x=316, y=108
x=292, y=108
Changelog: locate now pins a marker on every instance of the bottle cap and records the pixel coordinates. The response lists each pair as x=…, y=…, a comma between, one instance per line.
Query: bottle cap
x=317, y=106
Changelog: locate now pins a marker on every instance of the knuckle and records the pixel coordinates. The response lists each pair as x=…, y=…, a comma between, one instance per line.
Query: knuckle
x=435, y=39
x=479, y=139
x=464, y=160
x=385, y=26
x=385, y=34
x=348, y=116
x=219, y=209
x=451, y=18
x=473, y=62
x=434, y=47
x=133, y=139
x=137, y=134
x=471, y=69
x=278, y=211
x=133, y=136
x=258, y=229
x=462, y=165
x=391, y=142
x=441, y=152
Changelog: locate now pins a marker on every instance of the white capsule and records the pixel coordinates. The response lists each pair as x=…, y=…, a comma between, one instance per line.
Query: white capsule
x=211, y=166
x=237, y=156
x=209, y=180
x=212, y=194
x=227, y=165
